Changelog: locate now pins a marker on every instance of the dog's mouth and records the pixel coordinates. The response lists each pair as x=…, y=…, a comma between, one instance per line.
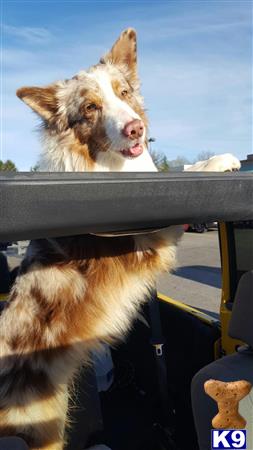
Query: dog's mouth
x=132, y=152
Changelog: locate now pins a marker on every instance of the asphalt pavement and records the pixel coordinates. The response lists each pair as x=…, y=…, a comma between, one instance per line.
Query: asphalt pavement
x=197, y=280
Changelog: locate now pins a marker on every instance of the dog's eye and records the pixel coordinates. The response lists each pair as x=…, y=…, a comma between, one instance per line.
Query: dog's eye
x=124, y=93
x=91, y=107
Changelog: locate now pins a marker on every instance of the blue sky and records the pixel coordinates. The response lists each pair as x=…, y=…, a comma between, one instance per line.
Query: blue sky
x=195, y=62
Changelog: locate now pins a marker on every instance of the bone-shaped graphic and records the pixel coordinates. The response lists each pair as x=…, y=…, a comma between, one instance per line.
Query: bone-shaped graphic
x=227, y=396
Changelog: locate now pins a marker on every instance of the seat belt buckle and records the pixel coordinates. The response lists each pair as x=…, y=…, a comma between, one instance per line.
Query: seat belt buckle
x=158, y=349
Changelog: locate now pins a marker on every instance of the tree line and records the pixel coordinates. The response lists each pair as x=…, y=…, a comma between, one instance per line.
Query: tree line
x=160, y=159
x=164, y=164
x=8, y=166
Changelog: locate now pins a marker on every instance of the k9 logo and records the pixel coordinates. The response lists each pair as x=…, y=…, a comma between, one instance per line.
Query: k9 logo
x=228, y=439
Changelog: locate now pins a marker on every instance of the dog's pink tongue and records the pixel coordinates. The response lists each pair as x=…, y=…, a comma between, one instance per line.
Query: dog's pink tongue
x=133, y=151
x=136, y=150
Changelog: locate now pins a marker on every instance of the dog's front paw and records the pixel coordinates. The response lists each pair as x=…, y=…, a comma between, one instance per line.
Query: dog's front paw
x=217, y=163
x=228, y=163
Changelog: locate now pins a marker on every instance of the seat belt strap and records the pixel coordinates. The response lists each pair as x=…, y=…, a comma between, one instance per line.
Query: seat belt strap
x=159, y=345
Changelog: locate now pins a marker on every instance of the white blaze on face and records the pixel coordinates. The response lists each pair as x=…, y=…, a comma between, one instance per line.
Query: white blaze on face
x=117, y=113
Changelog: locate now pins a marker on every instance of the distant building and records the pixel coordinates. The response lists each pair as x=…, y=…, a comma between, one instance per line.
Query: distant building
x=247, y=164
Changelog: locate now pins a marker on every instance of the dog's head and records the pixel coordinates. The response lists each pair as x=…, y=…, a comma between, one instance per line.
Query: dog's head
x=101, y=108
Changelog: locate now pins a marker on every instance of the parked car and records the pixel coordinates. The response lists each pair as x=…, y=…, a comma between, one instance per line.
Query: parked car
x=201, y=227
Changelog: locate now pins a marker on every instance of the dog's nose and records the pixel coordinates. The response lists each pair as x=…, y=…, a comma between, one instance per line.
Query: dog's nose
x=134, y=129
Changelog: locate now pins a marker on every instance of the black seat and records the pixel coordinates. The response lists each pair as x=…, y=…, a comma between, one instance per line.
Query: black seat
x=13, y=443
x=238, y=366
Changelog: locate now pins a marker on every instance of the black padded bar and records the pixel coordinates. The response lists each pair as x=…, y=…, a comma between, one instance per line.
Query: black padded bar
x=37, y=205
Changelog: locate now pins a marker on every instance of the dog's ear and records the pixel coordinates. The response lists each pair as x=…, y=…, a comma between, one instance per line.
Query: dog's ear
x=42, y=100
x=124, y=51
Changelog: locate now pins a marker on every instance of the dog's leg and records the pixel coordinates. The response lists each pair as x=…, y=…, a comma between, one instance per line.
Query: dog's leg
x=37, y=360
x=163, y=244
x=57, y=309
x=36, y=416
x=217, y=163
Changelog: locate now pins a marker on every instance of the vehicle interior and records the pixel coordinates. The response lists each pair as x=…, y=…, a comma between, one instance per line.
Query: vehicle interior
x=147, y=393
